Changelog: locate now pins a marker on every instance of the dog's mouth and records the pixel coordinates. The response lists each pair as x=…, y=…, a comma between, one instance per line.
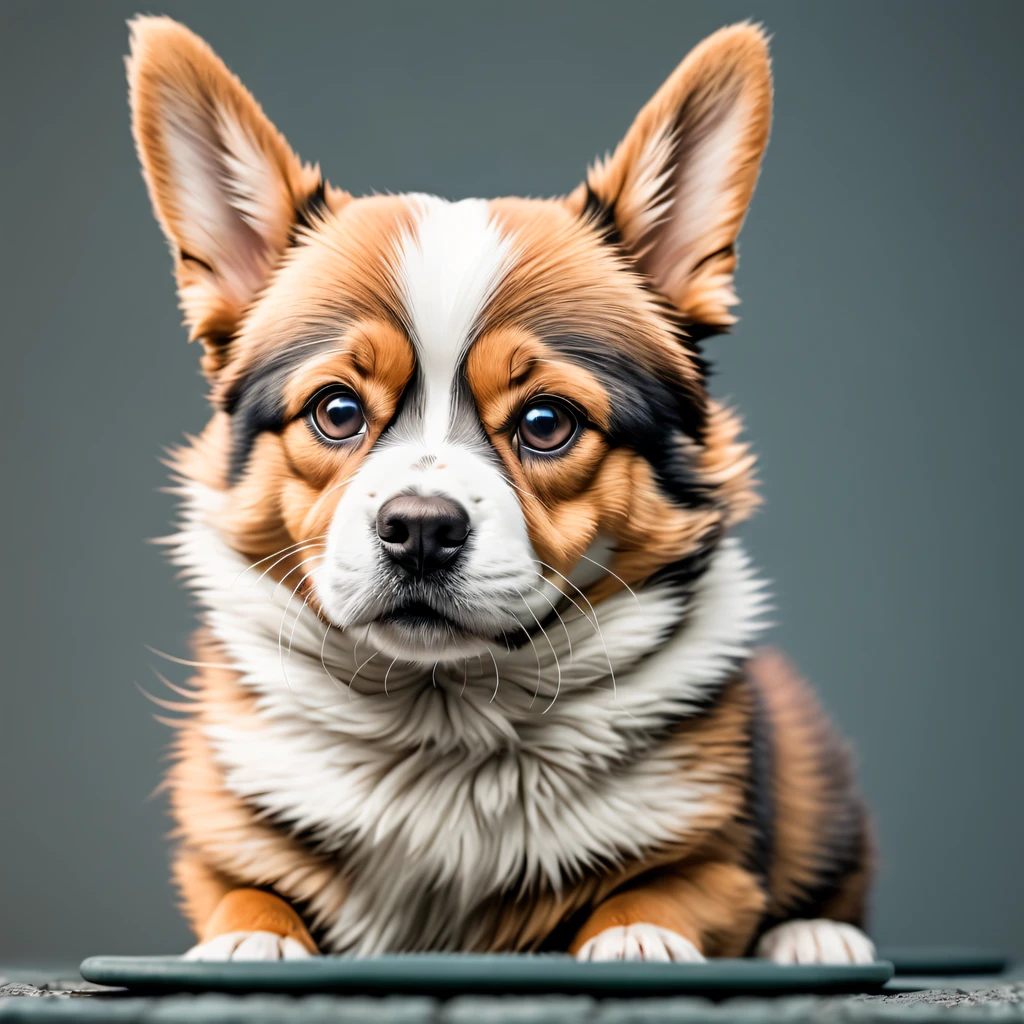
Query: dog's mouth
x=418, y=615
x=416, y=629
x=429, y=623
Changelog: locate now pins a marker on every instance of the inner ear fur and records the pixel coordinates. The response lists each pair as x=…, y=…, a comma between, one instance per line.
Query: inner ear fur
x=678, y=186
x=226, y=188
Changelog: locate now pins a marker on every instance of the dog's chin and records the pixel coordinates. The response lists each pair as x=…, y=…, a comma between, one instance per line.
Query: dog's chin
x=418, y=633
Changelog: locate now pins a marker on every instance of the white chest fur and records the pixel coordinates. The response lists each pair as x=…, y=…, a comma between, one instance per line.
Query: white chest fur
x=464, y=778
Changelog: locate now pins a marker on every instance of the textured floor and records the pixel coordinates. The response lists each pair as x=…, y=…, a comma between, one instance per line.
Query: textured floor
x=41, y=996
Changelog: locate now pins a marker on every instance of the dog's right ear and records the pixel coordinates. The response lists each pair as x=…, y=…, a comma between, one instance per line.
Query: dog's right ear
x=226, y=188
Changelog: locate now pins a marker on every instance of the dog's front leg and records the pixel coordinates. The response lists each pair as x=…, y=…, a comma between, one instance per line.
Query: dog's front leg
x=250, y=924
x=685, y=912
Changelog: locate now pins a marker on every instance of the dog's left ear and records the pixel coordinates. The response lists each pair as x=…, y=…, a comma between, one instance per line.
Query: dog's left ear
x=226, y=188
x=679, y=184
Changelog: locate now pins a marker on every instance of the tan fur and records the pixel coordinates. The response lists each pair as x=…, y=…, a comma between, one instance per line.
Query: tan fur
x=200, y=888
x=250, y=910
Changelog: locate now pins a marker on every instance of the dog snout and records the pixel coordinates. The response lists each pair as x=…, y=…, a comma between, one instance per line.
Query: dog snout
x=422, y=533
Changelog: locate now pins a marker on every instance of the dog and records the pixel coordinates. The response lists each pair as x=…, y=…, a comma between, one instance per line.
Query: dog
x=477, y=668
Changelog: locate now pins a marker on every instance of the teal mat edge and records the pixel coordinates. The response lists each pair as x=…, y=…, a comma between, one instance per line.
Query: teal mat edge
x=458, y=974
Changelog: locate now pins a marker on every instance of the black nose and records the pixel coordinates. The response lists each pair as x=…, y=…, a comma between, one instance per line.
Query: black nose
x=422, y=533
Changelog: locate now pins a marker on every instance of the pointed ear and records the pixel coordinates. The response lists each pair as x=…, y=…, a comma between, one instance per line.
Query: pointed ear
x=679, y=184
x=225, y=187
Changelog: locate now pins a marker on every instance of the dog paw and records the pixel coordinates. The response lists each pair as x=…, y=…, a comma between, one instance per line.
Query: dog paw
x=816, y=942
x=248, y=946
x=640, y=942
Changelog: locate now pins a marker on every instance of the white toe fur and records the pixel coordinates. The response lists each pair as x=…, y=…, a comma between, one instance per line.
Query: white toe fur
x=248, y=946
x=816, y=942
x=640, y=942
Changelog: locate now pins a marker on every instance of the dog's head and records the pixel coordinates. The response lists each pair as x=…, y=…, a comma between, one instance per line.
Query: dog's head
x=436, y=414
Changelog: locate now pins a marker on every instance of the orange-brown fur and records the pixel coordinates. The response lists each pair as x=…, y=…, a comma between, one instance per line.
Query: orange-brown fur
x=251, y=910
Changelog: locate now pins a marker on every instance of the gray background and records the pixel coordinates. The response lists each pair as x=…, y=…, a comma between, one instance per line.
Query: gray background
x=878, y=363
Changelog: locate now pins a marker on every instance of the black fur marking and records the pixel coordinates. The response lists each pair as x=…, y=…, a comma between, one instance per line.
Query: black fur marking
x=187, y=257
x=255, y=403
x=648, y=415
x=683, y=574
x=218, y=340
x=601, y=216
x=843, y=840
x=815, y=901
x=559, y=939
x=842, y=852
x=726, y=250
x=760, y=805
x=696, y=333
x=309, y=213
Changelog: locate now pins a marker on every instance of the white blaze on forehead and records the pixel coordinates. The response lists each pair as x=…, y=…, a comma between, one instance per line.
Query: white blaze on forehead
x=448, y=268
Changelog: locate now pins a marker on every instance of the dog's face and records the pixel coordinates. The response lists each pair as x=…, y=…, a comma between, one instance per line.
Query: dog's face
x=435, y=415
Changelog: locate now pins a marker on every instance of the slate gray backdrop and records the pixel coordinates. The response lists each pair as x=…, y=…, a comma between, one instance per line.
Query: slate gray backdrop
x=878, y=362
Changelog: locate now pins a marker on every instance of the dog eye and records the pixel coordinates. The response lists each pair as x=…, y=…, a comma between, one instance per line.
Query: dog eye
x=547, y=426
x=338, y=416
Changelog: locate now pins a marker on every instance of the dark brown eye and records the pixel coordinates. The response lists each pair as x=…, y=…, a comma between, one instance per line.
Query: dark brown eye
x=547, y=426
x=338, y=416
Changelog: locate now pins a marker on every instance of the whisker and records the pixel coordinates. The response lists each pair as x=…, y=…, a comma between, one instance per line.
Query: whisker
x=386, y=674
x=568, y=639
x=536, y=655
x=323, y=660
x=619, y=578
x=497, y=677
x=298, y=565
x=360, y=669
x=465, y=662
x=554, y=653
x=167, y=705
x=312, y=343
x=284, y=614
x=522, y=490
x=597, y=623
x=568, y=597
x=303, y=547
x=181, y=691
x=298, y=615
x=333, y=487
x=187, y=662
x=280, y=551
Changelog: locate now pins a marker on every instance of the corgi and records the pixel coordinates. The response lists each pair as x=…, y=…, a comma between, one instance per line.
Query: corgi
x=477, y=668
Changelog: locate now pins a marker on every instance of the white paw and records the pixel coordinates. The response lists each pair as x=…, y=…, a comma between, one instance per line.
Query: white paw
x=248, y=946
x=640, y=942
x=816, y=942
